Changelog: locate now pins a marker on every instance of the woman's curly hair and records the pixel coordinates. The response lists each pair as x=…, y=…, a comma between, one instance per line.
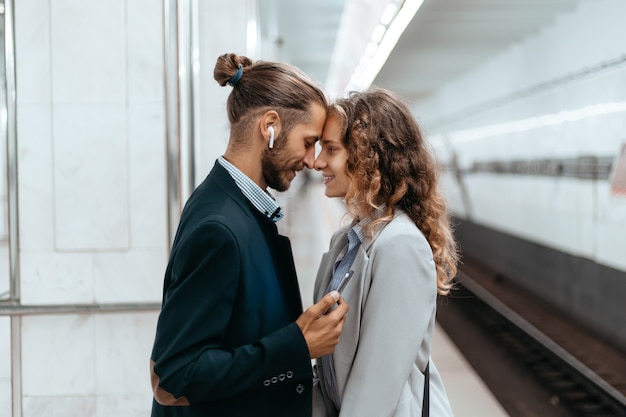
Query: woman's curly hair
x=391, y=165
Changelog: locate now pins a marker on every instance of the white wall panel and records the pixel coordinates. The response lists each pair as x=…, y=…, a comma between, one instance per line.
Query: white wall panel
x=544, y=210
x=146, y=176
x=32, y=50
x=35, y=172
x=225, y=34
x=611, y=230
x=88, y=51
x=145, y=52
x=126, y=405
x=575, y=215
x=4, y=266
x=79, y=406
x=122, y=346
x=66, y=366
x=129, y=276
x=98, y=364
x=5, y=366
x=57, y=278
x=90, y=177
x=93, y=192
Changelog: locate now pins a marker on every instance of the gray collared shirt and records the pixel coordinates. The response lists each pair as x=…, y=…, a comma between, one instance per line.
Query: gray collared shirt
x=260, y=199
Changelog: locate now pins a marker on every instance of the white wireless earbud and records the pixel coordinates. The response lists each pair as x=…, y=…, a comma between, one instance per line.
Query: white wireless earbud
x=271, y=129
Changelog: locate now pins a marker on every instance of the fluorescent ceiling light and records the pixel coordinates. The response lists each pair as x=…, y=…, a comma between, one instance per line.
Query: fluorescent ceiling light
x=370, y=51
x=370, y=66
x=388, y=14
x=378, y=33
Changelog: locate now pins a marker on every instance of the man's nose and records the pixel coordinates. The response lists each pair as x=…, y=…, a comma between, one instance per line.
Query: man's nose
x=309, y=158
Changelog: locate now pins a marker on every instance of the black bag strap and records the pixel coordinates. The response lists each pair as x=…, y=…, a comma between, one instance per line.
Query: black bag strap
x=425, y=401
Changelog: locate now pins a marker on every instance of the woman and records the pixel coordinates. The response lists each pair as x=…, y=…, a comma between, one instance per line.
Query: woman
x=401, y=252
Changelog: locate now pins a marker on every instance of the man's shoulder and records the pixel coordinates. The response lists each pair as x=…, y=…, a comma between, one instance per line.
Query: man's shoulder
x=216, y=196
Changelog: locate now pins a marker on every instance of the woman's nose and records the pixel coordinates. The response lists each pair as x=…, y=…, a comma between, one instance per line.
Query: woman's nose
x=319, y=162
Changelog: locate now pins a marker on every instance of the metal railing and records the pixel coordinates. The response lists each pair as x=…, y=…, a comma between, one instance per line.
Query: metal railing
x=15, y=309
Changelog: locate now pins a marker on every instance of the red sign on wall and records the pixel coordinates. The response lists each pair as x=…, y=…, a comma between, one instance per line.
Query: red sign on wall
x=618, y=182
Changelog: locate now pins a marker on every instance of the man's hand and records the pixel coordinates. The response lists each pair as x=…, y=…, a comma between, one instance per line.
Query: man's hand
x=322, y=327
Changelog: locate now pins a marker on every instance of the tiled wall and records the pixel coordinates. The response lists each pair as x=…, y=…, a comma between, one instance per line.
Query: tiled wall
x=4, y=268
x=580, y=217
x=87, y=365
x=5, y=366
x=221, y=30
x=91, y=150
x=92, y=207
x=93, y=193
x=4, y=219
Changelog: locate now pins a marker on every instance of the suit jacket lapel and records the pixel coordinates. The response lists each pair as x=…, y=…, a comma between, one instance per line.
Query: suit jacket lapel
x=280, y=246
x=287, y=275
x=222, y=178
x=324, y=274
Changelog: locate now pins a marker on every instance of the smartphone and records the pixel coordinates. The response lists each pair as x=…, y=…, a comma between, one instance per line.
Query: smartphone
x=342, y=285
x=344, y=281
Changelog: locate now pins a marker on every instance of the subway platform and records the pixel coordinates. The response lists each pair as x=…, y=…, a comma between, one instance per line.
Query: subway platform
x=310, y=219
x=91, y=349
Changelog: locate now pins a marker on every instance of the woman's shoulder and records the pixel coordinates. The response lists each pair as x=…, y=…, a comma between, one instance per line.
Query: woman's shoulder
x=401, y=224
x=401, y=230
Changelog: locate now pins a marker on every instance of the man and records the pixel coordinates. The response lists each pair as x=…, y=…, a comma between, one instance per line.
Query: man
x=231, y=338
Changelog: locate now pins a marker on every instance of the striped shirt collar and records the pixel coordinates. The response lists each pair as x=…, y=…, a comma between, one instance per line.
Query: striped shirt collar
x=358, y=229
x=261, y=200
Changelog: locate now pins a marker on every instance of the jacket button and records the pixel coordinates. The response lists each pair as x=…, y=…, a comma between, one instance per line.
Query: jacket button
x=274, y=380
x=267, y=382
x=289, y=374
x=281, y=377
x=300, y=389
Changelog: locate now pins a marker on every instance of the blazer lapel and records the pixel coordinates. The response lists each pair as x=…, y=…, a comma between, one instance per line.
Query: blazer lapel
x=280, y=246
x=222, y=178
x=325, y=271
x=287, y=275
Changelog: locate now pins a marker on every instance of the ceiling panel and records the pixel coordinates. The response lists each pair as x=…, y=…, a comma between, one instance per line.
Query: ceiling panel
x=446, y=37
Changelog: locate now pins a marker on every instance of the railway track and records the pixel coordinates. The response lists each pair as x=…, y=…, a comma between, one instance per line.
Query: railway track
x=536, y=361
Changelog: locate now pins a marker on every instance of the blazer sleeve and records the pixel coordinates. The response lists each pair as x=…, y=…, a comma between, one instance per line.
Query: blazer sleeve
x=396, y=317
x=189, y=358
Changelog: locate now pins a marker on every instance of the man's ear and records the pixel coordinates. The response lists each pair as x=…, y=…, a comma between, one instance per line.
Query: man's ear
x=269, y=126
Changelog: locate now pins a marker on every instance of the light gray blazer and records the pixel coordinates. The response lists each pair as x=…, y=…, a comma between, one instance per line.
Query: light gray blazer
x=386, y=339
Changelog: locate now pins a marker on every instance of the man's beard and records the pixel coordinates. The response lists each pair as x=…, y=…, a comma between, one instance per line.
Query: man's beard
x=273, y=172
x=275, y=165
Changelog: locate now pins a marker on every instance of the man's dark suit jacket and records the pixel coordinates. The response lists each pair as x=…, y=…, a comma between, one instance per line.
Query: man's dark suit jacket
x=226, y=337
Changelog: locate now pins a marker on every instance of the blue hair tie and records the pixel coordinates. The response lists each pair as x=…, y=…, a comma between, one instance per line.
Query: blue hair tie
x=235, y=78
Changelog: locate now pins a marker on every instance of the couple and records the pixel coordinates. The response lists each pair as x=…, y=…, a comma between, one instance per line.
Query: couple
x=232, y=339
